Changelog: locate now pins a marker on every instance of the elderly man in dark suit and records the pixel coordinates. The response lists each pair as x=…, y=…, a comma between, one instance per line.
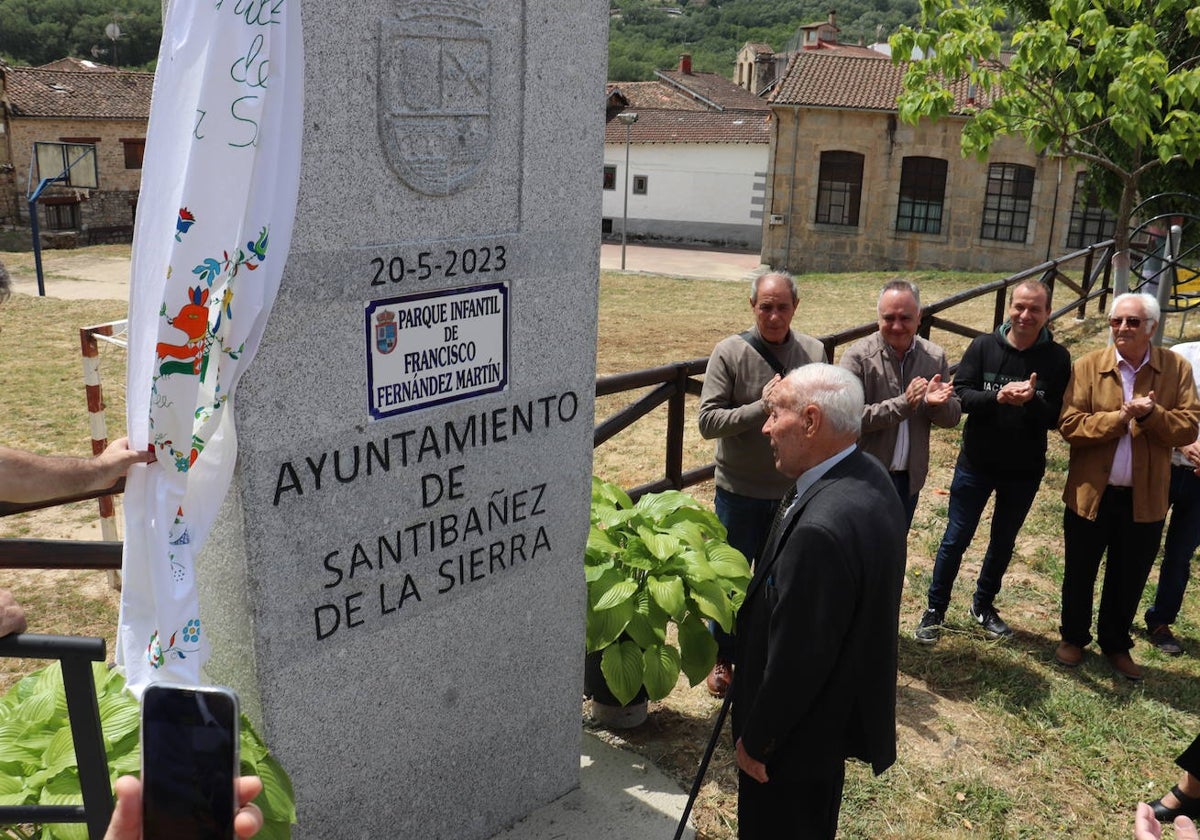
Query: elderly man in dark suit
x=816, y=672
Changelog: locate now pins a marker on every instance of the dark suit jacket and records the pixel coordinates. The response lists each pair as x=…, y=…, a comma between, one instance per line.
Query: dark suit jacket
x=815, y=681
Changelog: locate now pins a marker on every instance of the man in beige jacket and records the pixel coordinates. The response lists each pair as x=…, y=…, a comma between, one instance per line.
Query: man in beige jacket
x=1126, y=407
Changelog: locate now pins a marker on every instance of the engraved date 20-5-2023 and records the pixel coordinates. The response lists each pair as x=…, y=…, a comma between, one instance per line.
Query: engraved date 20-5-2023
x=448, y=263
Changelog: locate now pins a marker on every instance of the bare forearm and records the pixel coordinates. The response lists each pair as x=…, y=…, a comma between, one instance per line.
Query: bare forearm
x=27, y=477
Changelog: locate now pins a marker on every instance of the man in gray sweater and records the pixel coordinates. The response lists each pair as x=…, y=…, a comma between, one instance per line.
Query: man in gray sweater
x=741, y=372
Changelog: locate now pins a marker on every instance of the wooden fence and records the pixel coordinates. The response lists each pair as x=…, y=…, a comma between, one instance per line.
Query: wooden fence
x=671, y=384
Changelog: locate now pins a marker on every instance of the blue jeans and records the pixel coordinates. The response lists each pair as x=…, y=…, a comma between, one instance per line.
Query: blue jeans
x=909, y=500
x=969, y=493
x=748, y=523
x=1183, y=537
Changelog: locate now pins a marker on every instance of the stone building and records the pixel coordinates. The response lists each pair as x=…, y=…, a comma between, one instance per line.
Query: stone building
x=758, y=68
x=852, y=188
x=79, y=103
x=755, y=67
x=697, y=160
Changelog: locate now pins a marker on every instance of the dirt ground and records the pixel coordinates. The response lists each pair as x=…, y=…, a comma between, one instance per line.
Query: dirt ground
x=91, y=274
x=678, y=729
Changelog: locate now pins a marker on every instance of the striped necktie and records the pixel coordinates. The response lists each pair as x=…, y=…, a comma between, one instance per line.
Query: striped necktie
x=785, y=504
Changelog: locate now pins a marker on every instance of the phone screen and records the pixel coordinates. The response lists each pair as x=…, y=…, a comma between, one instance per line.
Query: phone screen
x=189, y=760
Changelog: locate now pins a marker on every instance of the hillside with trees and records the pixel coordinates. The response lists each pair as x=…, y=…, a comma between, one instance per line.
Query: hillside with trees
x=34, y=32
x=644, y=35
x=649, y=35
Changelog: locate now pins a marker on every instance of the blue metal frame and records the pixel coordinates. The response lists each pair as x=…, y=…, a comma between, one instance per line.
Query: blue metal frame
x=34, y=226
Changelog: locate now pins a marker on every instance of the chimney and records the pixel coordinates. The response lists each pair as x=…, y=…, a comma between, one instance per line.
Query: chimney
x=685, y=64
x=833, y=17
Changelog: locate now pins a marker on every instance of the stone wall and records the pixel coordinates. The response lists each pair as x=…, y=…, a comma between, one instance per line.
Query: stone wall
x=110, y=206
x=431, y=354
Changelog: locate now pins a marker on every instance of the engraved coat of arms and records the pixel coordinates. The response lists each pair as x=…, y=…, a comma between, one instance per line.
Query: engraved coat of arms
x=435, y=93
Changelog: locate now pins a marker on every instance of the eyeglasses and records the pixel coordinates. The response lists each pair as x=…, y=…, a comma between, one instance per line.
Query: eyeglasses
x=1132, y=323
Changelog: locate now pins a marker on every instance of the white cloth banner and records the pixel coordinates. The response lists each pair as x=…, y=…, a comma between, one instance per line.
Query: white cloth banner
x=214, y=223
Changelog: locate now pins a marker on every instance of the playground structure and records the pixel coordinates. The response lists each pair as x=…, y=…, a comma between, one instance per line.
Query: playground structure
x=73, y=165
x=114, y=332
x=1165, y=254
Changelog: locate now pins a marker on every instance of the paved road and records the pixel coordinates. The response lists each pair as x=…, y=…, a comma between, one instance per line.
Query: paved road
x=71, y=275
x=681, y=262
x=82, y=275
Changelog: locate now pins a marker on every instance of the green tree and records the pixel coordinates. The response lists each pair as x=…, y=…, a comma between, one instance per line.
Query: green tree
x=1176, y=176
x=40, y=31
x=1102, y=81
x=714, y=32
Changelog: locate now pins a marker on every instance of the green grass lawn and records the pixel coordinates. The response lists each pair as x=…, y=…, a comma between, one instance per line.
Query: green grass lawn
x=995, y=739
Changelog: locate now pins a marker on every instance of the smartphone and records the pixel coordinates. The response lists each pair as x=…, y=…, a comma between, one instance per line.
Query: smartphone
x=189, y=762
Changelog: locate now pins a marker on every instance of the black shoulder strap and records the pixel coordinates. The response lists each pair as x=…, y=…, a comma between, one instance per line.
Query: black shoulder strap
x=757, y=343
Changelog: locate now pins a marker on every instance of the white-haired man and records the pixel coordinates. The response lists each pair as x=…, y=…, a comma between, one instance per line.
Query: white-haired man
x=816, y=640
x=1126, y=407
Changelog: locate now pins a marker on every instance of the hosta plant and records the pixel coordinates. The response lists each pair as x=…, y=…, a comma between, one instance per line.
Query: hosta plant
x=661, y=561
x=37, y=756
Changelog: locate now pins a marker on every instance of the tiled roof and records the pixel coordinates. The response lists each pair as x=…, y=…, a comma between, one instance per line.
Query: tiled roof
x=81, y=64
x=758, y=47
x=86, y=94
x=654, y=95
x=834, y=48
x=714, y=88
x=826, y=80
x=663, y=126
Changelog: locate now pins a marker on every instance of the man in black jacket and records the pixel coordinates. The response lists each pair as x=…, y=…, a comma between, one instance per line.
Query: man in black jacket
x=1011, y=385
x=816, y=654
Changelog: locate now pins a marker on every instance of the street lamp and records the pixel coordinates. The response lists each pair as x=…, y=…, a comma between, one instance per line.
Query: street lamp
x=629, y=118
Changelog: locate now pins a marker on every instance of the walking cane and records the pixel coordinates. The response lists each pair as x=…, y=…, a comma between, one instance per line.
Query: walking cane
x=712, y=745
